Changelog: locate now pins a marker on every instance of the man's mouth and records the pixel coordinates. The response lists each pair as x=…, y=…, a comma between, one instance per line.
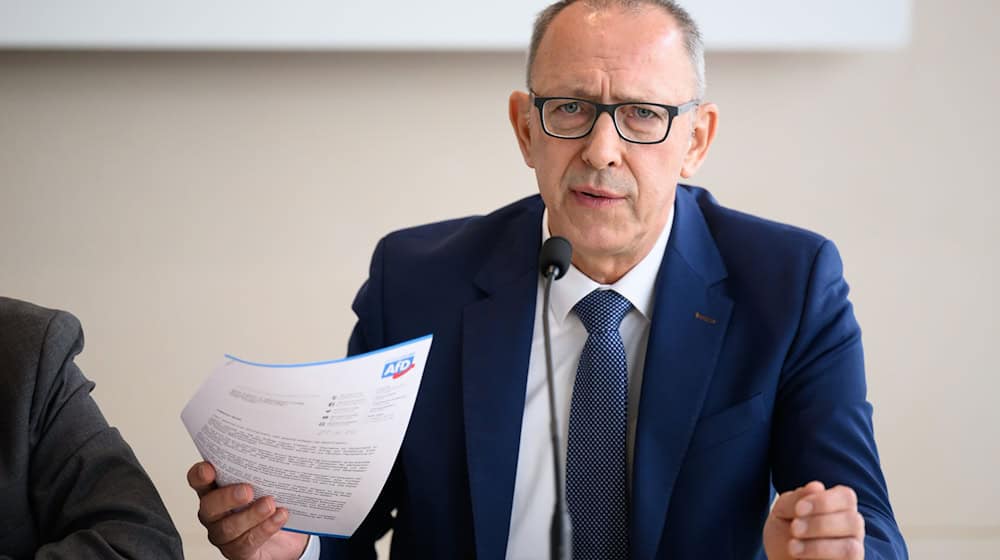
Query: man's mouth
x=594, y=192
x=596, y=197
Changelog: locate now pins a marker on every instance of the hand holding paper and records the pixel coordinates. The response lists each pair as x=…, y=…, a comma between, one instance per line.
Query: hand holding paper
x=319, y=438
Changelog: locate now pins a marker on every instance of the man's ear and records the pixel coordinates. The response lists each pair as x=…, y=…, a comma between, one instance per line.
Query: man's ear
x=706, y=122
x=519, y=109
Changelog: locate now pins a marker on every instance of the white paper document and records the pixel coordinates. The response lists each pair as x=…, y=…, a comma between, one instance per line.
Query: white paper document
x=321, y=437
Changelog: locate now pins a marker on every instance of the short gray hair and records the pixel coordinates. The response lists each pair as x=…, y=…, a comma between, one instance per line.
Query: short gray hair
x=692, y=36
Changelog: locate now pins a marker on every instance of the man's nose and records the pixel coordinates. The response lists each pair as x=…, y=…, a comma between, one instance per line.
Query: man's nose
x=604, y=145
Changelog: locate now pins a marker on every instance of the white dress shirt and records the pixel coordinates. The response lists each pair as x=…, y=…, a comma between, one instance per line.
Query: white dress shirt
x=534, y=485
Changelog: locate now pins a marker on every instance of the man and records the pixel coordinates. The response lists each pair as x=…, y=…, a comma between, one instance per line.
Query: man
x=70, y=487
x=733, y=363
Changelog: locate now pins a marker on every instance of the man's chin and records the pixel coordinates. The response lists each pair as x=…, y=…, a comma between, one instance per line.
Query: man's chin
x=600, y=250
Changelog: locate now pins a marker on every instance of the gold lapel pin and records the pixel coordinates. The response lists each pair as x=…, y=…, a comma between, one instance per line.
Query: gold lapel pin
x=705, y=318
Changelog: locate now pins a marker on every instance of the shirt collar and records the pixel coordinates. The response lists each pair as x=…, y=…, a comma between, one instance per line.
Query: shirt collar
x=637, y=285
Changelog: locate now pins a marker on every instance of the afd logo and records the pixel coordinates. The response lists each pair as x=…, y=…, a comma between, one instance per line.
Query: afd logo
x=398, y=368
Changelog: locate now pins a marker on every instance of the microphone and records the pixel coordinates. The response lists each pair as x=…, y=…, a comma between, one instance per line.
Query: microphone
x=553, y=262
x=555, y=256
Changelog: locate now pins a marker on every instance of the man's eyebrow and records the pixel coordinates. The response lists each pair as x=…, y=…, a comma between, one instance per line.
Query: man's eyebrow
x=580, y=92
x=585, y=93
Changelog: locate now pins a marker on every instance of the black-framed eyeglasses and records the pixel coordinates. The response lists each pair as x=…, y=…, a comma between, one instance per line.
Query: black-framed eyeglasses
x=637, y=122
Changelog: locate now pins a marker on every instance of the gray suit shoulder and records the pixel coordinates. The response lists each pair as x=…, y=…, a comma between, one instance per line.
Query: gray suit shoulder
x=70, y=485
x=25, y=327
x=35, y=344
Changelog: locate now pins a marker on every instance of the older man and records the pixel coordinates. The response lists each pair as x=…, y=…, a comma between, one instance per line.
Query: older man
x=705, y=359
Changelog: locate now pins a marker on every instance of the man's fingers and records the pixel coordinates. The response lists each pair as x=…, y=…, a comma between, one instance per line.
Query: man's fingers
x=824, y=524
x=827, y=549
x=218, y=503
x=201, y=477
x=829, y=525
x=248, y=542
x=784, y=507
x=838, y=498
x=235, y=526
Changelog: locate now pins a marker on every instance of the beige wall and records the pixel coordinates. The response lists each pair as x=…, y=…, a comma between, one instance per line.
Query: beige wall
x=187, y=205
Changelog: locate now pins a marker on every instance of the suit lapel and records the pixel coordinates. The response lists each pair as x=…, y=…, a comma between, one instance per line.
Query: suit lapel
x=495, y=353
x=689, y=324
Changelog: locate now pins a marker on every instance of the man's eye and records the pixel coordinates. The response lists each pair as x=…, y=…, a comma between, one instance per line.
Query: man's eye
x=644, y=113
x=570, y=108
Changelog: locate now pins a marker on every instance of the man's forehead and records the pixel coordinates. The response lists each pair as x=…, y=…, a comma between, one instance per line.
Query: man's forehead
x=629, y=80
x=623, y=54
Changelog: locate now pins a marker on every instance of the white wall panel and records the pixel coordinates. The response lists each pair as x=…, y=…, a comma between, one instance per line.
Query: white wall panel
x=428, y=25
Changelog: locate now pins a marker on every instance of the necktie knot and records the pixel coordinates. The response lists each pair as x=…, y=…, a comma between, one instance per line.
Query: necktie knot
x=602, y=310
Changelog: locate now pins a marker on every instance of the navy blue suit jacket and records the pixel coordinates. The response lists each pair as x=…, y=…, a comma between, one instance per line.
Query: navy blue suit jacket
x=754, y=382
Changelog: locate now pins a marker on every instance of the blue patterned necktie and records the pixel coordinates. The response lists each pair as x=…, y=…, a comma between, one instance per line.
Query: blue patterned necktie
x=596, y=451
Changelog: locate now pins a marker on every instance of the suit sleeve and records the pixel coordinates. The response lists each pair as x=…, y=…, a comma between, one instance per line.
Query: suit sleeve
x=90, y=497
x=823, y=423
x=368, y=335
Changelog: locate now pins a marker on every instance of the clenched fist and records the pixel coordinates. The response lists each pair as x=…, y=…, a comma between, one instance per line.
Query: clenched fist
x=815, y=523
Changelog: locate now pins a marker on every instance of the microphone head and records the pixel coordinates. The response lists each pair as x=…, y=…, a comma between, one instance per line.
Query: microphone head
x=555, y=256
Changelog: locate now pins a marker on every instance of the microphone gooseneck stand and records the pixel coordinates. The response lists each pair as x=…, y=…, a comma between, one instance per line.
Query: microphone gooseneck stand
x=553, y=260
